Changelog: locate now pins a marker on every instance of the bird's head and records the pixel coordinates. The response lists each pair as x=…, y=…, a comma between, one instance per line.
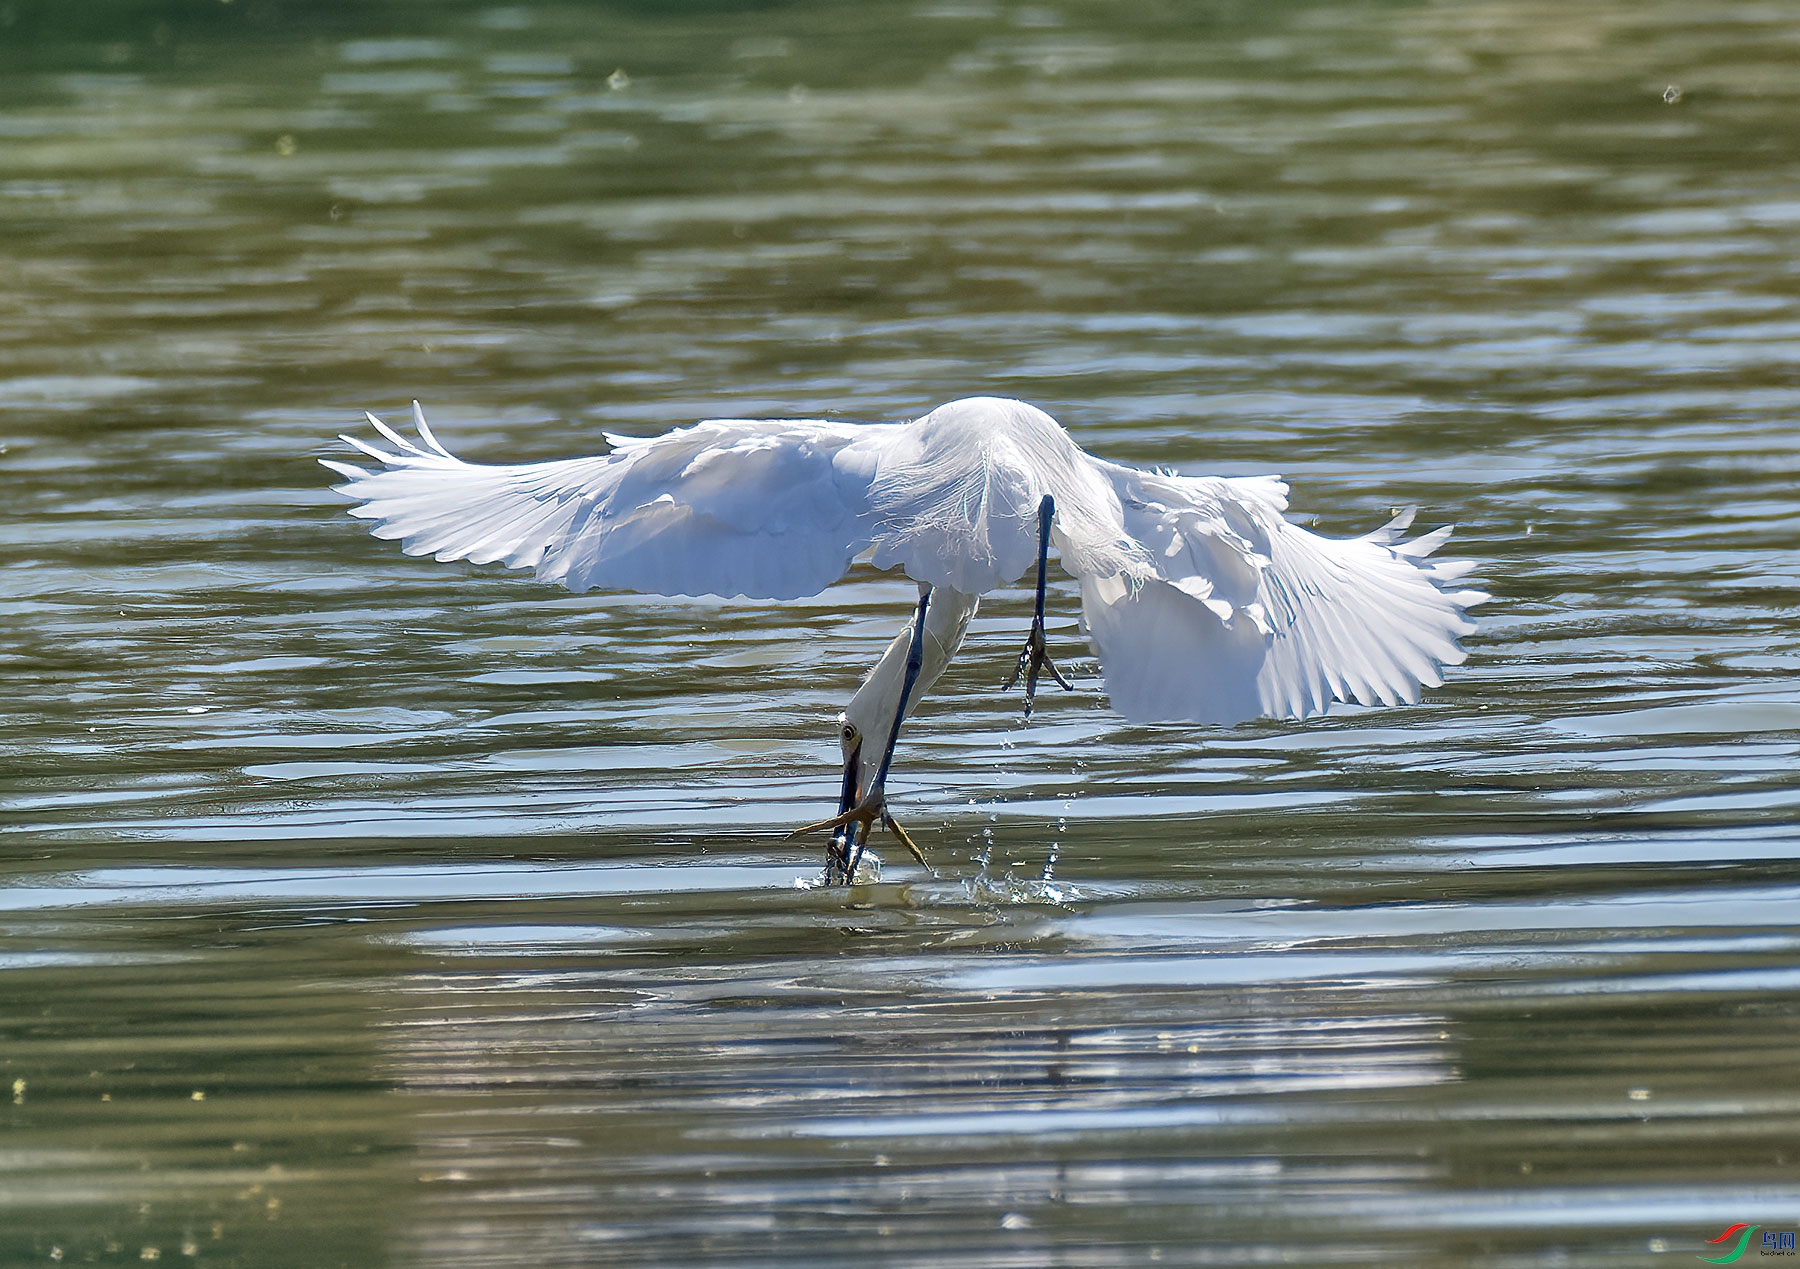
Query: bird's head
x=866, y=723
x=871, y=720
x=850, y=737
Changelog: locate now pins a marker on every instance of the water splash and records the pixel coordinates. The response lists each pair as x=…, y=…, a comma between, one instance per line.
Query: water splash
x=868, y=872
x=983, y=890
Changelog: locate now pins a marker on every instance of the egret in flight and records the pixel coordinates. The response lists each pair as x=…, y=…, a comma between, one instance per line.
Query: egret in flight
x=1203, y=603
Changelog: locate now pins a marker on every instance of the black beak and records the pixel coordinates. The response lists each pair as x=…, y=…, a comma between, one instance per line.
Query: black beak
x=852, y=769
x=843, y=841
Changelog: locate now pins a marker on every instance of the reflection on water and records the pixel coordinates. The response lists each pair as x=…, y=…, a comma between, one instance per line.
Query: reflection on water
x=359, y=909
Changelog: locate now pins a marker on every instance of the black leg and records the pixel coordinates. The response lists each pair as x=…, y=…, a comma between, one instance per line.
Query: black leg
x=854, y=843
x=915, y=658
x=1046, y=513
x=1035, y=656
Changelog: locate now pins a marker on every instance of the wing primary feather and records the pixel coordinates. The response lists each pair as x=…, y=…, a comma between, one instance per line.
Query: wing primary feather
x=763, y=508
x=471, y=535
x=405, y=445
x=1389, y=533
x=378, y=455
x=425, y=432
x=1424, y=544
x=519, y=550
x=344, y=469
x=1448, y=570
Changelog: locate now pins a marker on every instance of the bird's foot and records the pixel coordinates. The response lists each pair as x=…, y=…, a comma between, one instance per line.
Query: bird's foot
x=871, y=811
x=1034, y=659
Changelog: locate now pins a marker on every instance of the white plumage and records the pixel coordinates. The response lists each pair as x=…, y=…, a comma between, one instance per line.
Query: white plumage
x=1203, y=602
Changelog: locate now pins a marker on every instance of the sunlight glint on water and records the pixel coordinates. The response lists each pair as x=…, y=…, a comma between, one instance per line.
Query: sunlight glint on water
x=360, y=909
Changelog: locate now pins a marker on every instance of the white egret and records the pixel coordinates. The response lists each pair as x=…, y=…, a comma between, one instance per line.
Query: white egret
x=1203, y=603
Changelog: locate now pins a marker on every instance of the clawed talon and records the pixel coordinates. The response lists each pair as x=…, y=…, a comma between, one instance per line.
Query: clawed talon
x=1034, y=658
x=865, y=815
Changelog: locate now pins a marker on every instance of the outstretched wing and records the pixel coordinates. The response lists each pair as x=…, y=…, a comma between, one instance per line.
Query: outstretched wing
x=770, y=509
x=1244, y=614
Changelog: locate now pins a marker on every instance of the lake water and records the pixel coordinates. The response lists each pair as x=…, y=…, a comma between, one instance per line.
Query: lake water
x=361, y=910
